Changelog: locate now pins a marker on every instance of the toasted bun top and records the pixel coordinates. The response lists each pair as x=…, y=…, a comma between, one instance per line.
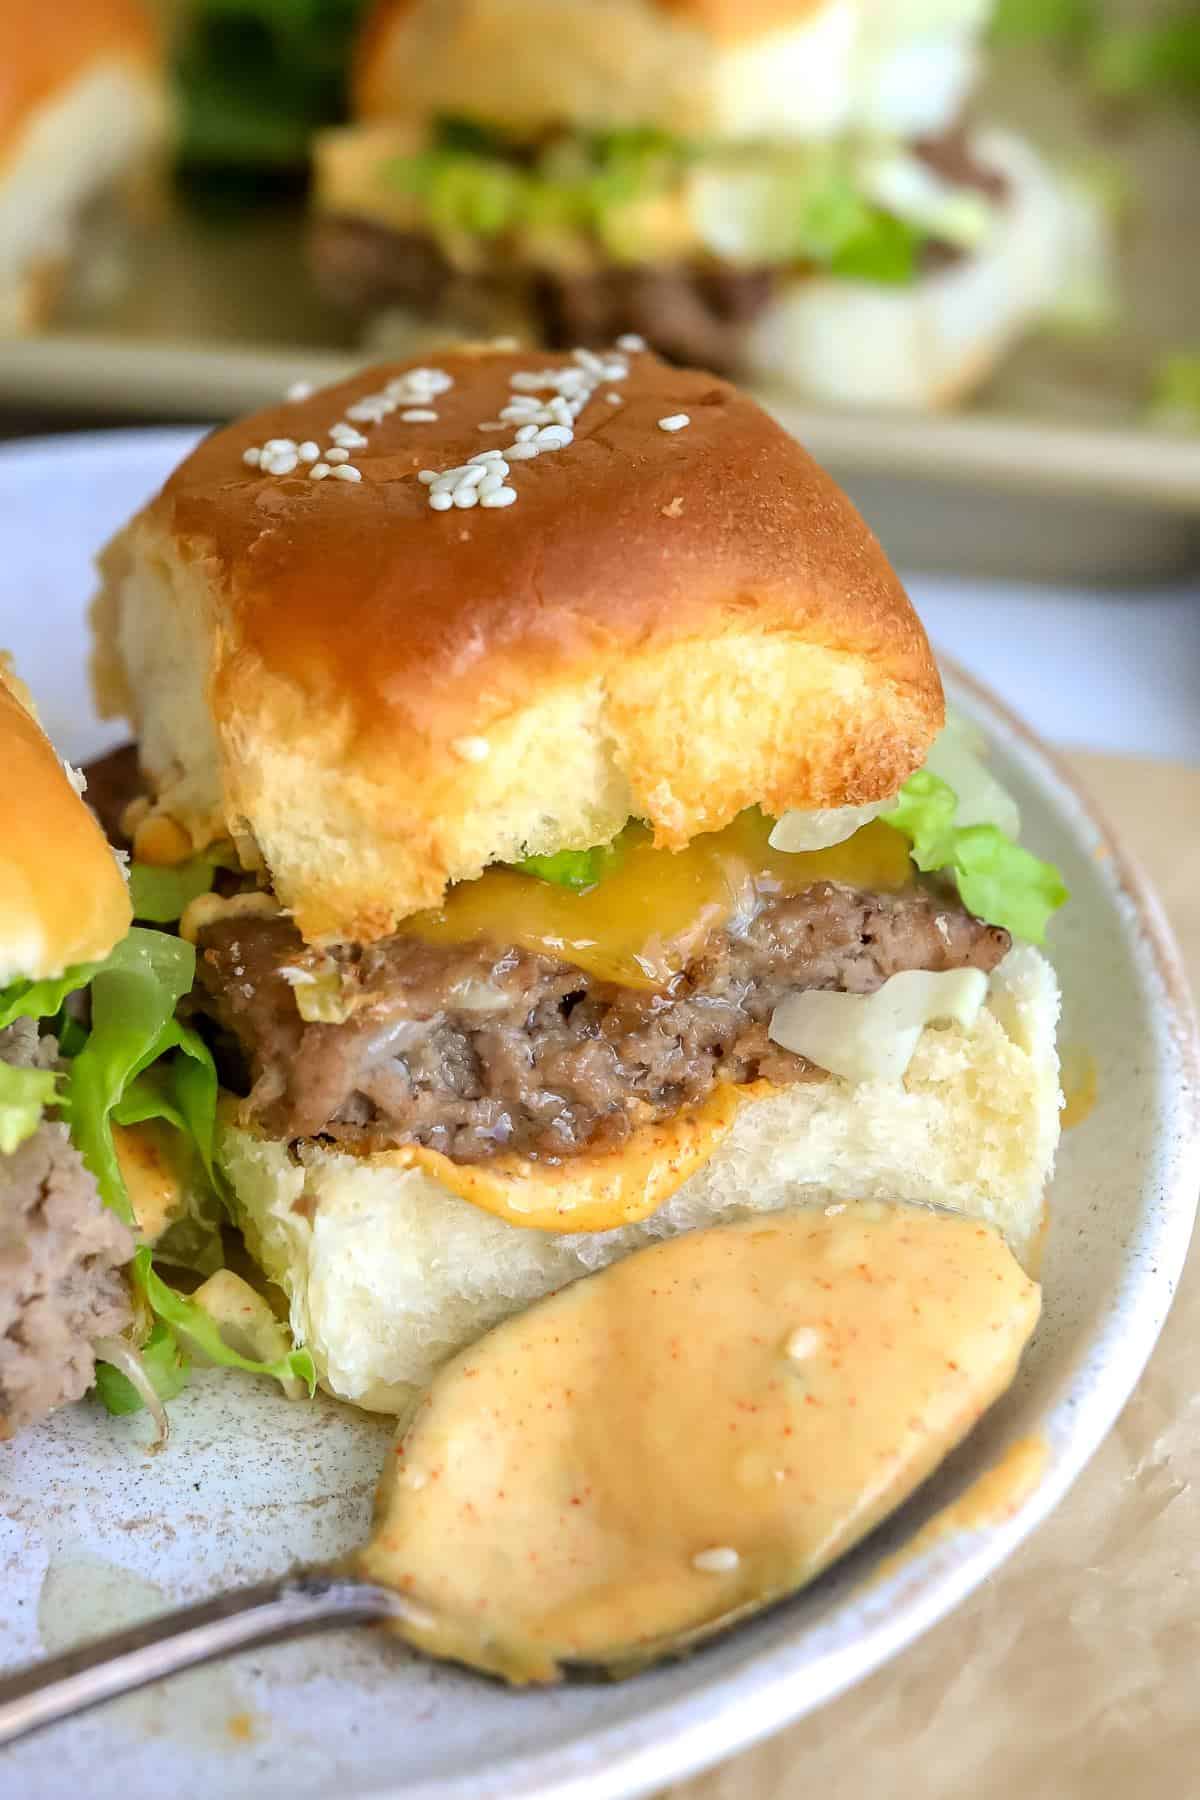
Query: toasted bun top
x=672, y=625
x=46, y=45
x=529, y=64
x=62, y=897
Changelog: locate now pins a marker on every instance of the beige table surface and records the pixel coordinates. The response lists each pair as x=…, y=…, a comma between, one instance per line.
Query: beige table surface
x=1075, y=1671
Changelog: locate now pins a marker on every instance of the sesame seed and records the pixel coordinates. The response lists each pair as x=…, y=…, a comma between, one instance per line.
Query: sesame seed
x=472, y=749
x=346, y=472
x=525, y=433
x=347, y=436
x=503, y=496
x=418, y=415
x=631, y=341
x=338, y=454
x=613, y=399
x=486, y=456
x=523, y=452
x=252, y=457
x=675, y=422
x=308, y=451
x=491, y=484
x=491, y=425
x=554, y=437
x=803, y=1342
x=717, y=1561
x=281, y=463
x=441, y=502
x=273, y=445
x=427, y=475
x=299, y=390
x=319, y=471
x=465, y=496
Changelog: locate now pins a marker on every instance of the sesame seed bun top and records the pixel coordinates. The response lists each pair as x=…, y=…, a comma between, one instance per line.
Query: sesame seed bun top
x=62, y=897
x=672, y=624
x=46, y=45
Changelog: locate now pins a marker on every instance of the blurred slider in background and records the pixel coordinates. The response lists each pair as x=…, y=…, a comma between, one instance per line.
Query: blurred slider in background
x=781, y=189
x=83, y=115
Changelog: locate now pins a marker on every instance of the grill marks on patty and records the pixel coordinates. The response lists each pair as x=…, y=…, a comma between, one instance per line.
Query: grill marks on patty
x=474, y=1049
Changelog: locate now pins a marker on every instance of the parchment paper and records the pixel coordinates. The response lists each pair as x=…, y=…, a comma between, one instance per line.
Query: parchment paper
x=1075, y=1671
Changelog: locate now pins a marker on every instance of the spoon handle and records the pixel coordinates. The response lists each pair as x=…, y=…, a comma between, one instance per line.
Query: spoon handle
x=290, y=1606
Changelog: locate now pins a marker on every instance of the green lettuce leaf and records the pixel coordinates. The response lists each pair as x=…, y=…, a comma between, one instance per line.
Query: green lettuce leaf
x=575, y=869
x=40, y=999
x=160, y=896
x=165, y=1362
x=24, y=1096
x=185, y=1317
x=997, y=879
x=134, y=995
x=882, y=249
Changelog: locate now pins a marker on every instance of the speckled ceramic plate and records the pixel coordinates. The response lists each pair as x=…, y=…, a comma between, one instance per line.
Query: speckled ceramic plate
x=93, y=1531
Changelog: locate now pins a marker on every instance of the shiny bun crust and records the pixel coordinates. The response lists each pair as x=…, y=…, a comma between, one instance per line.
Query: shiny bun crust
x=666, y=624
x=523, y=64
x=63, y=899
x=47, y=45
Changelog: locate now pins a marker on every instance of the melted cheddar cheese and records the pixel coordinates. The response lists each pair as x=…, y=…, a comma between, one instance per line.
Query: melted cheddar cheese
x=594, y=1192
x=638, y=925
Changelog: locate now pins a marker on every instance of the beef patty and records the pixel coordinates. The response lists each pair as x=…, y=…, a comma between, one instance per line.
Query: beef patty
x=475, y=1049
x=61, y=1253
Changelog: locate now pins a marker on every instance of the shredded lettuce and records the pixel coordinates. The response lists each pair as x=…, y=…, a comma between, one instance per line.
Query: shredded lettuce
x=202, y=1331
x=762, y=204
x=134, y=996
x=161, y=895
x=998, y=880
x=24, y=1096
x=575, y=869
x=164, y=1363
x=882, y=249
x=41, y=999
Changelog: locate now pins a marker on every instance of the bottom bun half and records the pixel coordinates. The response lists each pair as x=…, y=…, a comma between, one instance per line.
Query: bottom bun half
x=387, y=1273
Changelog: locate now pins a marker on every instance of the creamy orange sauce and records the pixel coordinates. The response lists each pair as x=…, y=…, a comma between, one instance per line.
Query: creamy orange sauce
x=148, y=1155
x=636, y=925
x=700, y=1429
x=596, y=1192
x=993, y=1497
x=1080, y=1085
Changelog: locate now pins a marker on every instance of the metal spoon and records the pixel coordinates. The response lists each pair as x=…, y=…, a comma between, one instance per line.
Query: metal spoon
x=267, y=1613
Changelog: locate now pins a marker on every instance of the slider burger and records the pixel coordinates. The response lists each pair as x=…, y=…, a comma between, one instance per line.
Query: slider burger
x=786, y=192
x=595, y=863
x=63, y=905
x=82, y=108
